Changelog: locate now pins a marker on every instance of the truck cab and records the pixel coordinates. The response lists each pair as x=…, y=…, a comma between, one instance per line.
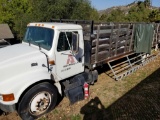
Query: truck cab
x=62, y=43
x=36, y=71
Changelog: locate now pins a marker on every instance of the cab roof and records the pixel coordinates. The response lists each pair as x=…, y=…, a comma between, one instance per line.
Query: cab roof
x=59, y=26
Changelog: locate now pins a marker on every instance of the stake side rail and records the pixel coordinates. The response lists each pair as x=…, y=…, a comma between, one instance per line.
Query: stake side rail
x=110, y=42
x=105, y=42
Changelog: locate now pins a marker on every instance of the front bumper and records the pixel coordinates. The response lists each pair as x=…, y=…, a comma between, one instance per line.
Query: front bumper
x=7, y=108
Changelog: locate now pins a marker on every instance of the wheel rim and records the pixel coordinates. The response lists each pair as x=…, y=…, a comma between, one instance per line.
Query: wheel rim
x=40, y=103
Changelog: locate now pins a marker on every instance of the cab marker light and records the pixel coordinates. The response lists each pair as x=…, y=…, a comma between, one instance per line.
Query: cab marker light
x=52, y=62
x=8, y=97
x=52, y=26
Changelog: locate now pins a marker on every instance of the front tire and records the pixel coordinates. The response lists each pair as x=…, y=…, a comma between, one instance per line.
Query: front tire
x=37, y=101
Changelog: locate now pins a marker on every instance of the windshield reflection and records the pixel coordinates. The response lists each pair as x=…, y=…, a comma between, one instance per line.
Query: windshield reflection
x=42, y=37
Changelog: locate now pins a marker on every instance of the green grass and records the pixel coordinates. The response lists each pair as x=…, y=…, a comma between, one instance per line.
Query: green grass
x=76, y=117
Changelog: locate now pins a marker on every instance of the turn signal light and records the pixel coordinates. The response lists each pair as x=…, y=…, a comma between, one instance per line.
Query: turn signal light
x=8, y=97
x=51, y=62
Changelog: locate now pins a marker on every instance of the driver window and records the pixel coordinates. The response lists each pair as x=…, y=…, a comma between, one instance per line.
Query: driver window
x=62, y=41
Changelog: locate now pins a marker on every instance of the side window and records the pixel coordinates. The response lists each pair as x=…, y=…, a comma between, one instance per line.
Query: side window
x=64, y=41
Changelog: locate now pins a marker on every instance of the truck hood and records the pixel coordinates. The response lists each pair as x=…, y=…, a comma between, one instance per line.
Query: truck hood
x=12, y=53
x=20, y=60
x=21, y=66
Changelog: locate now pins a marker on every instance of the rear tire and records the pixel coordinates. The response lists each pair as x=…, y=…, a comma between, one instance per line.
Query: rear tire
x=37, y=101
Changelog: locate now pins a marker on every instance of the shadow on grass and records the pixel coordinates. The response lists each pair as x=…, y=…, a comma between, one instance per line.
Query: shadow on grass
x=1, y=112
x=141, y=102
x=93, y=109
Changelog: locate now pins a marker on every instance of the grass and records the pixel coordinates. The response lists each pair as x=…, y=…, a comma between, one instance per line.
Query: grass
x=76, y=117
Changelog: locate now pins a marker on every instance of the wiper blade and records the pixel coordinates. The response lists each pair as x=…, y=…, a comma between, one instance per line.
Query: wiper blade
x=29, y=41
x=39, y=46
x=36, y=42
x=39, y=43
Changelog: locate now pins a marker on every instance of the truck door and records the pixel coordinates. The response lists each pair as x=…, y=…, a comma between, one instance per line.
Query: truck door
x=67, y=63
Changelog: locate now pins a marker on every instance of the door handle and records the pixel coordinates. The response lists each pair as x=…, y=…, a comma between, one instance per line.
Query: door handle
x=65, y=54
x=80, y=60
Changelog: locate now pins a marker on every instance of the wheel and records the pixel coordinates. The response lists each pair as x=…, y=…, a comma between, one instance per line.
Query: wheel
x=37, y=101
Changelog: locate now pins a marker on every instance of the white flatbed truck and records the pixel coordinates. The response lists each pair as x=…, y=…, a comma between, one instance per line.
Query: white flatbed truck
x=57, y=58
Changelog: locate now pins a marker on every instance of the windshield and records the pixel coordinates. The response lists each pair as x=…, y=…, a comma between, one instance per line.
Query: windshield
x=42, y=37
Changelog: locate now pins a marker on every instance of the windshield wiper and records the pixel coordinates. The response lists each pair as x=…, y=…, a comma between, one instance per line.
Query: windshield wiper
x=39, y=43
x=29, y=41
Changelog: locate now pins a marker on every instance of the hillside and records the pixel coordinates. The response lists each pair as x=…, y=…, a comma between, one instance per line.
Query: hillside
x=125, y=9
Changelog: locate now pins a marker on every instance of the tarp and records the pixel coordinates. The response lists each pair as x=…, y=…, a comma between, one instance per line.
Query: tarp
x=143, y=38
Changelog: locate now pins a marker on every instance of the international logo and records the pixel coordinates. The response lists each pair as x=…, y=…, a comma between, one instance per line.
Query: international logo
x=70, y=60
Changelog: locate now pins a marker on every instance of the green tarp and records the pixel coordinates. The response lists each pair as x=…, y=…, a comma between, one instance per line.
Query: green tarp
x=143, y=38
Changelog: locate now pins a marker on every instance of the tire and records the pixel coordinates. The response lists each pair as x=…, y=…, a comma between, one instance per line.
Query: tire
x=37, y=101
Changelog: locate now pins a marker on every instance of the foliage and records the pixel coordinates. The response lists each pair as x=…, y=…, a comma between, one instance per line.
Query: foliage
x=12, y=12
x=139, y=12
x=154, y=15
x=116, y=15
x=18, y=13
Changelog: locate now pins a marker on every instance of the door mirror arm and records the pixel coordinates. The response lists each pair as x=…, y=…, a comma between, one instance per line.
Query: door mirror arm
x=75, y=43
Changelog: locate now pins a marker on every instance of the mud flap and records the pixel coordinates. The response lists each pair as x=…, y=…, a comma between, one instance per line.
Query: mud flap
x=74, y=90
x=75, y=94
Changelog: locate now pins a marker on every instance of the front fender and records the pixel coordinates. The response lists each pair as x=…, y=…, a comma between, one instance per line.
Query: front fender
x=18, y=84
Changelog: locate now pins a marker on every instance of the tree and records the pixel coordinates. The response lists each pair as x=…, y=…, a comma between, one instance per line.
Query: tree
x=13, y=12
x=116, y=16
x=103, y=17
x=147, y=3
x=19, y=13
x=141, y=12
x=154, y=15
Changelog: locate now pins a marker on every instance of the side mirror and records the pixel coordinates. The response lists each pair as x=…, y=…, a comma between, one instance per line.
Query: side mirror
x=75, y=43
